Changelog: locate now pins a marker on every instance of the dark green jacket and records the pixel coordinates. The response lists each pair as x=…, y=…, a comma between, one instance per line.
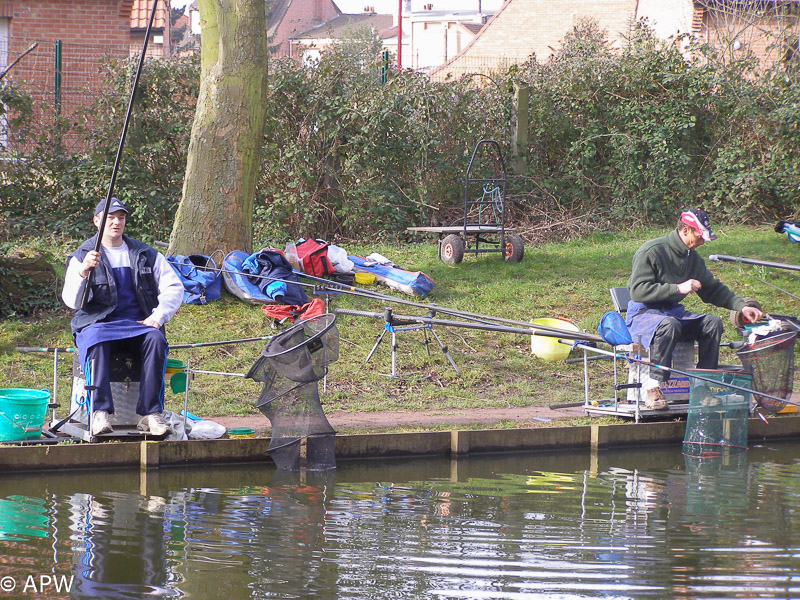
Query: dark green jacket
x=661, y=264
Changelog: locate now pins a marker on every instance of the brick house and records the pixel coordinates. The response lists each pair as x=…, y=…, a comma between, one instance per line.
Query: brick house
x=289, y=17
x=308, y=45
x=78, y=35
x=525, y=28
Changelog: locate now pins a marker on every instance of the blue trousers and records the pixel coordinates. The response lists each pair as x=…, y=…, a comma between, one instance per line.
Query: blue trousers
x=152, y=347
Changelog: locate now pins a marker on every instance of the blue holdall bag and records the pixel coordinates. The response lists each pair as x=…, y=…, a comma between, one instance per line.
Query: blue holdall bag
x=202, y=281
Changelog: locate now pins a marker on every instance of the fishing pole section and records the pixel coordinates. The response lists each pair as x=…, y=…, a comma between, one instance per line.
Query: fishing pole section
x=118, y=158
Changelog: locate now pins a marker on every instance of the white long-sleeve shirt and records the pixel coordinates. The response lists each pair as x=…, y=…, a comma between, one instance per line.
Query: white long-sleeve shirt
x=170, y=288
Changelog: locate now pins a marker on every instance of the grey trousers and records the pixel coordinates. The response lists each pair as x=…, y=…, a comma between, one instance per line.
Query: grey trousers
x=706, y=331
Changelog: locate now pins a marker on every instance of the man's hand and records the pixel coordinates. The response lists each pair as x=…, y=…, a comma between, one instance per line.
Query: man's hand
x=689, y=287
x=751, y=314
x=151, y=322
x=90, y=261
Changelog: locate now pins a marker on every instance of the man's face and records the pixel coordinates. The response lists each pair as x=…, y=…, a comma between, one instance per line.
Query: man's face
x=694, y=239
x=115, y=225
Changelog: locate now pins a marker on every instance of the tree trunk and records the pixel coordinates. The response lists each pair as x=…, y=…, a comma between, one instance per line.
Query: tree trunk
x=216, y=209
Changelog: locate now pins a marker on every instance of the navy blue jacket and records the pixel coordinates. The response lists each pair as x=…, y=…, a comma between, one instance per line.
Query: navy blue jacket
x=104, y=289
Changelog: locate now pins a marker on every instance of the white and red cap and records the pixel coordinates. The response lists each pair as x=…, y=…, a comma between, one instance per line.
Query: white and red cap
x=698, y=220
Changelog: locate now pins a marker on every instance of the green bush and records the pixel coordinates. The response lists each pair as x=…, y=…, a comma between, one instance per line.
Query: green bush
x=624, y=136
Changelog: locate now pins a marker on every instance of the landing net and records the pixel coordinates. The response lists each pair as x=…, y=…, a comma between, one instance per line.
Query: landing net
x=716, y=421
x=770, y=361
x=290, y=367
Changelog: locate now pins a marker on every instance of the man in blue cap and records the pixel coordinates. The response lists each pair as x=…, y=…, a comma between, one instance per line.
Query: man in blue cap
x=133, y=293
x=665, y=271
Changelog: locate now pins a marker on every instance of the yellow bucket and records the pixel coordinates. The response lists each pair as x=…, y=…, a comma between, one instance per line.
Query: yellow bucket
x=364, y=278
x=549, y=348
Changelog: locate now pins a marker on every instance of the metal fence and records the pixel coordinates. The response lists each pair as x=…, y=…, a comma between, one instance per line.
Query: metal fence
x=61, y=79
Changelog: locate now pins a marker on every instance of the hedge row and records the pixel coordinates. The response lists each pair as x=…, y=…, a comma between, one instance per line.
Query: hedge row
x=625, y=136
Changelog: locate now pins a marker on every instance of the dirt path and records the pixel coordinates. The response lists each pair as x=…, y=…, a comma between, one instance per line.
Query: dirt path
x=489, y=416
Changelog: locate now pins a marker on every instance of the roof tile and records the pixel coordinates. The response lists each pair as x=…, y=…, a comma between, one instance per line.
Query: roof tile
x=140, y=14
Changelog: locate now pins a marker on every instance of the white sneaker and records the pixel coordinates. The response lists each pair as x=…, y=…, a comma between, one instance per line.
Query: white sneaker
x=154, y=423
x=101, y=422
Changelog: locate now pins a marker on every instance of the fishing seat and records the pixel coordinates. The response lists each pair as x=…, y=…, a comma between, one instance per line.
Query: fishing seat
x=124, y=374
x=683, y=357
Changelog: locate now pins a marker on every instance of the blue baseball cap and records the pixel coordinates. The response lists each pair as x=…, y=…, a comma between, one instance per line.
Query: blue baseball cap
x=114, y=207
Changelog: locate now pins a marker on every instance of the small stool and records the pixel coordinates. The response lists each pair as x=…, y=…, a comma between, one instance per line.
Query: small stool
x=124, y=374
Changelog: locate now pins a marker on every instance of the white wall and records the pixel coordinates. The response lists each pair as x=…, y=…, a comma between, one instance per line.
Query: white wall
x=3, y=63
x=3, y=43
x=667, y=17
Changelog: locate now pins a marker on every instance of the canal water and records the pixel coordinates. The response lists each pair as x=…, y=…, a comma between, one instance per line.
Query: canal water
x=635, y=523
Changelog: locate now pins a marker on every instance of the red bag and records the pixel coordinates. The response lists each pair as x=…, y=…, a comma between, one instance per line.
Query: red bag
x=313, y=255
x=282, y=312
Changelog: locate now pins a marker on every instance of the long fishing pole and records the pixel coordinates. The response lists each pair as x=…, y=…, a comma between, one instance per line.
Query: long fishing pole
x=19, y=58
x=118, y=158
x=171, y=346
x=222, y=343
x=641, y=361
x=429, y=307
x=725, y=258
x=753, y=261
x=331, y=286
x=565, y=334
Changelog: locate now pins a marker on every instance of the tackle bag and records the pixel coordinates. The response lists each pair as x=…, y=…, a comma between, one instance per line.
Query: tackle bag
x=414, y=283
x=283, y=312
x=269, y=270
x=313, y=255
x=790, y=228
x=200, y=285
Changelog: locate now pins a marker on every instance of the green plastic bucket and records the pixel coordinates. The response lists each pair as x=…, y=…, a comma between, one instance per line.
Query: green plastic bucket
x=240, y=432
x=176, y=375
x=22, y=413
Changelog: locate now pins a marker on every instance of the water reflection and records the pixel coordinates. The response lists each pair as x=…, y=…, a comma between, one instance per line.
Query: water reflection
x=623, y=524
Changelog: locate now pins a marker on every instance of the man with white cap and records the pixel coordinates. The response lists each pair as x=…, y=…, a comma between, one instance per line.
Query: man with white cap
x=665, y=271
x=133, y=293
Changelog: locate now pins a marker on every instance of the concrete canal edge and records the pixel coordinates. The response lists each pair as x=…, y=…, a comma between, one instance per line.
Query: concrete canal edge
x=455, y=444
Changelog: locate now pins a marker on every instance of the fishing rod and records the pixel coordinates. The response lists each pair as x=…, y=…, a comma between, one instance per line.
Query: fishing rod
x=41, y=349
x=115, y=170
x=19, y=58
x=761, y=263
x=434, y=308
x=223, y=343
x=335, y=286
x=171, y=346
x=753, y=261
x=641, y=361
x=397, y=319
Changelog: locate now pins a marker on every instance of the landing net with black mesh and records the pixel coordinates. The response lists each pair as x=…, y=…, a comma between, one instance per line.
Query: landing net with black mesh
x=290, y=367
x=770, y=361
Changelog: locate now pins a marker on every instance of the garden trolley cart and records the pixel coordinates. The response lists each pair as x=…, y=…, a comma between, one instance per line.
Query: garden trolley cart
x=484, y=211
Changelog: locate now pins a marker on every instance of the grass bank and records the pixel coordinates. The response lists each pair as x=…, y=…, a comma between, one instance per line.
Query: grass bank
x=569, y=280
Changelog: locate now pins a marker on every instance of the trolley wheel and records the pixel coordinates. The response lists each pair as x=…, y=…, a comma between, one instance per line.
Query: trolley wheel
x=452, y=249
x=515, y=249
